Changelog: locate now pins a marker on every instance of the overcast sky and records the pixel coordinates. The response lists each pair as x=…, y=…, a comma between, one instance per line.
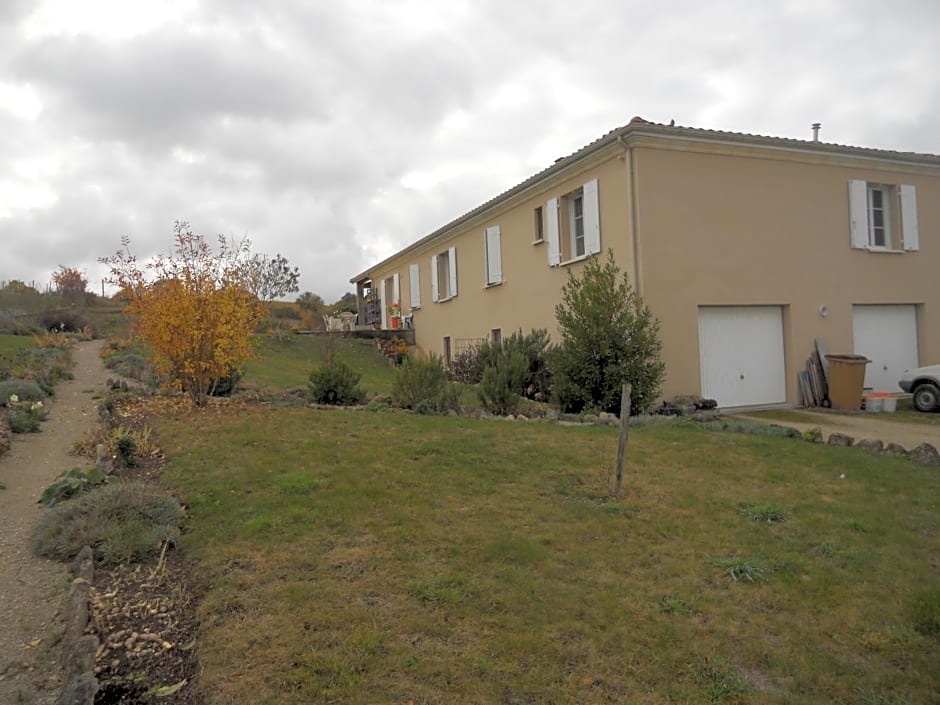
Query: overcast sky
x=337, y=132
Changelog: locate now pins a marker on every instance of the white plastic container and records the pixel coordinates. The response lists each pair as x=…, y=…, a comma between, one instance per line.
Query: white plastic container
x=889, y=404
x=873, y=404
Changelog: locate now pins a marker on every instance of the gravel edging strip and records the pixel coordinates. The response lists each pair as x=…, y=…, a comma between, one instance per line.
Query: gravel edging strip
x=79, y=649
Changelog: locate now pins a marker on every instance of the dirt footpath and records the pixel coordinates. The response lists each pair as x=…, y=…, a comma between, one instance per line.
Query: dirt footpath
x=871, y=426
x=33, y=590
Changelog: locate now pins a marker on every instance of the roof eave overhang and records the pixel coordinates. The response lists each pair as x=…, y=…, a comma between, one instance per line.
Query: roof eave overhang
x=640, y=131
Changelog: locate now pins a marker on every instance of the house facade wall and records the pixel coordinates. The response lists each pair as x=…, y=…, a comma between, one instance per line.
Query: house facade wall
x=695, y=223
x=736, y=226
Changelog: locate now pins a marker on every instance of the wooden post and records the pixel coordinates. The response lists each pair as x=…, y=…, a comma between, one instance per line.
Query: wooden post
x=624, y=435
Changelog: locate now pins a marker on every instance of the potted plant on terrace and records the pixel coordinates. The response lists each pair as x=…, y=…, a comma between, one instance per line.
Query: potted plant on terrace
x=395, y=315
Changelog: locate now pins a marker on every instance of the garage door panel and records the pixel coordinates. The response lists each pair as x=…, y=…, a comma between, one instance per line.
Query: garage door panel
x=887, y=335
x=741, y=354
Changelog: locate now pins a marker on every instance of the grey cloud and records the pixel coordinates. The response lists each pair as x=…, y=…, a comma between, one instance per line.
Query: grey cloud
x=165, y=85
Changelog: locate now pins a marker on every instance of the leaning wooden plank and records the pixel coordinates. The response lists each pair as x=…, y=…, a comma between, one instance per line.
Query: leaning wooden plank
x=804, y=389
x=817, y=377
x=813, y=382
x=821, y=351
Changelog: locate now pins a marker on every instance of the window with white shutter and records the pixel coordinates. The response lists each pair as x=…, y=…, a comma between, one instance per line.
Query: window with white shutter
x=910, y=233
x=444, y=275
x=883, y=217
x=414, y=284
x=573, y=225
x=552, y=235
x=494, y=264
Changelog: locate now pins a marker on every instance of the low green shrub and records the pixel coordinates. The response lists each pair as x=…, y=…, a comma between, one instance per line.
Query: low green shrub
x=71, y=483
x=23, y=390
x=465, y=366
x=285, y=312
x=125, y=446
x=422, y=385
x=225, y=386
x=26, y=417
x=335, y=383
x=469, y=365
x=121, y=521
x=503, y=382
x=62, y=321
x=129, y=364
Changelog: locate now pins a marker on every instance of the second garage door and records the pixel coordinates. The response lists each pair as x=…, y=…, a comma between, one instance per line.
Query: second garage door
x=887, y=335
x=741, y=354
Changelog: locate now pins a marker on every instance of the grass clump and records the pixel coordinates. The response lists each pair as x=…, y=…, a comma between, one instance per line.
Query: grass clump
x=673, y=604
x=71, y=483
x=721, y=681
x=749, y=570
x=925, y=611
x=121, y=521
x=764, y=512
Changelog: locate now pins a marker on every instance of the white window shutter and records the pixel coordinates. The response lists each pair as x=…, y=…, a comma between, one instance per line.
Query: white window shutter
x=414, y=283
x=383, y=303
x=551, y=232
x=910, y=233
x=494, y=265
x=858, y=213
x=452, y=261
x=396, y=290
x=435, y=288
x=592, y=219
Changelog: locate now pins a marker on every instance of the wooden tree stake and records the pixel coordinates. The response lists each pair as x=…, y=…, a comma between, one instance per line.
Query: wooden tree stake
x=624, y=435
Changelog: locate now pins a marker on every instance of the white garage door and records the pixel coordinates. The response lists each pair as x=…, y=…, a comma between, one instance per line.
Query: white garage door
x=741, y=349
x=886, y=335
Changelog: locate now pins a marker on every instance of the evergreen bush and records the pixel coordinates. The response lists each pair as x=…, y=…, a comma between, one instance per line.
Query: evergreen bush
x=335, y=383
x=503, y=383
x=422, y=385
x=608, y=337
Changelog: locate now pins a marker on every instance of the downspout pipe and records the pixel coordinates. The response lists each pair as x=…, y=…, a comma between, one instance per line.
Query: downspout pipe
x=633, y=227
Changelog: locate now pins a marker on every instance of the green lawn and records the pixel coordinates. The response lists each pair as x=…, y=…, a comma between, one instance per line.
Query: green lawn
x=363, y=557
x=10, y=345
x=286, y=364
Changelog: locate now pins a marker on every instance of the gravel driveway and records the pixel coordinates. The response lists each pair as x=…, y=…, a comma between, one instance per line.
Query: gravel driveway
x=861, y=425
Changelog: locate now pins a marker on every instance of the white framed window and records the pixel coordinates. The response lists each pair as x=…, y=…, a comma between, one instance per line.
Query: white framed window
x=883, y=216
x=414, y=285
x=575, y=207
x=572, y=225
x=493, y=256
x=879, y=216
x=539, y=225
x=444, y=275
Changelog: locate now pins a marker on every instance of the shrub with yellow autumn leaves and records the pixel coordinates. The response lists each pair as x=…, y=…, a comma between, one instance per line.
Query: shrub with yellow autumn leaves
x=196, y=308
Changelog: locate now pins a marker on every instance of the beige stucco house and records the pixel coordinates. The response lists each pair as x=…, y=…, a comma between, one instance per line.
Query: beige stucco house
x=745, y=247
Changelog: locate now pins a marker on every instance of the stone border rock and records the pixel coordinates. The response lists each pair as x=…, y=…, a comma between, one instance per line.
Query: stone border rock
x=925, y=454
x=79, y=649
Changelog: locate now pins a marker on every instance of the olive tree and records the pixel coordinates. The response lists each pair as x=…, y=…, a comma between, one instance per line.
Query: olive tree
x=608, y=337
